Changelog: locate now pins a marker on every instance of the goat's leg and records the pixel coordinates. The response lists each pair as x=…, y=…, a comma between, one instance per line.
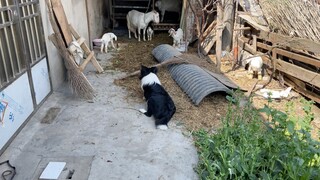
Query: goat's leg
x=135, y=33
x=112, y=45
x=139, y=30
x=129, y=33
x=260, y=75
x=250, y=72
x=144, y=34
x=102, y=46
x=129, y=28
x=106, y=47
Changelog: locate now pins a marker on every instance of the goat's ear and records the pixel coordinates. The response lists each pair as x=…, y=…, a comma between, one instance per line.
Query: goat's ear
x=154, y=70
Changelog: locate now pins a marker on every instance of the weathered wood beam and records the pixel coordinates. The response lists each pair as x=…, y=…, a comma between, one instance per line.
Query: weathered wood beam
x=298, y=57
x=288, y=68
x=62, y=21
x=292, y=42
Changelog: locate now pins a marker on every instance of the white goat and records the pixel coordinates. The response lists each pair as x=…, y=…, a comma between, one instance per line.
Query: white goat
x=138, y=20
x=177, y=36
x=255, y=66
x=106, y=38
x=150, y=33
x=168, y=5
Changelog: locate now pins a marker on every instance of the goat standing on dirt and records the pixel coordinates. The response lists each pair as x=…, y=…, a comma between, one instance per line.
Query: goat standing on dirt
x=106, y=38
x=149, y=33
x=137, y=20
x=177, y=36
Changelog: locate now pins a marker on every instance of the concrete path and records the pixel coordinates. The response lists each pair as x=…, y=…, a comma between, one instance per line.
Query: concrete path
x=100, y=140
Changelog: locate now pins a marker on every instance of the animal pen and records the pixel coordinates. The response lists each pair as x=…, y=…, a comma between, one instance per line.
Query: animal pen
x=292, y=53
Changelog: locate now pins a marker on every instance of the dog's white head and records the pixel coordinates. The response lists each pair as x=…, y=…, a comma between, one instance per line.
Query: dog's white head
x=148, y=76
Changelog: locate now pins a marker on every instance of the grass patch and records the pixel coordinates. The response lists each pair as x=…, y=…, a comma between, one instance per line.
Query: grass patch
x=247, y=147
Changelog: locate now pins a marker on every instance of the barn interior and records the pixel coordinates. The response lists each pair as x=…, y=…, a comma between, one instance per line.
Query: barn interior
x=116, y=11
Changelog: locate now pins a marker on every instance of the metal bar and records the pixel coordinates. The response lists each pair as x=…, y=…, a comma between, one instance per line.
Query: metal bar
x=32, y=34
x=4, y=62
x=2, y=26
x=7, y=40
x=15, y=41
x=6, y=7
x=28, y=35
x=28, y=3
x=36, y=27
x=30, y=16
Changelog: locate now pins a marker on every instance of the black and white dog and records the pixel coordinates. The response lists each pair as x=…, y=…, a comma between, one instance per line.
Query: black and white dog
x=159, y=103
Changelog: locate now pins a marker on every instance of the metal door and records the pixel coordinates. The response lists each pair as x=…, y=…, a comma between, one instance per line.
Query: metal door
x=21, y=38
x=24, y=71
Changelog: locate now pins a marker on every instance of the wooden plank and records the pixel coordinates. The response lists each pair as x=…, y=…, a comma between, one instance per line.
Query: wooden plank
x=209, y=42
x=209, y=29
x=81, y=40
x=315, y=97
x=298, y=72
x=293, y=42
x=86, y=50
x=86, y=61
x=241, y=28
x=254, y=43
x=298, y=57
x=252, y=22
x=62, y=21
x=291, y=69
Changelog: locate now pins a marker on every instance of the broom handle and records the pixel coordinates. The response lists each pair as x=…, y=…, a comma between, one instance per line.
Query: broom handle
x=173, y=60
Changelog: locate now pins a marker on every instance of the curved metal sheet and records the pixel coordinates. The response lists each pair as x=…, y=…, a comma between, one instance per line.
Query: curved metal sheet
x=193, y=80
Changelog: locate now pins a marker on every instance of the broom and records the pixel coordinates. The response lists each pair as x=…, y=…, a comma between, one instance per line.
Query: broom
x=78, y=82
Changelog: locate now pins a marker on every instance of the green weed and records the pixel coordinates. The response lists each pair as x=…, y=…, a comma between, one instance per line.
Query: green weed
x=248, y=148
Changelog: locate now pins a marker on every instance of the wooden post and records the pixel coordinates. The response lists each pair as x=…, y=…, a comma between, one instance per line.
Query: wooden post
x=228, y=21
x=254, y=43
x=220, y=28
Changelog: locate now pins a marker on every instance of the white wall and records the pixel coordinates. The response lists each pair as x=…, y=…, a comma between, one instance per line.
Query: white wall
x=97, y=10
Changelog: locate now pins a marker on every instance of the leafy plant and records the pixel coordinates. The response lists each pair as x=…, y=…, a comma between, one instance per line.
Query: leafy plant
x=246, y=147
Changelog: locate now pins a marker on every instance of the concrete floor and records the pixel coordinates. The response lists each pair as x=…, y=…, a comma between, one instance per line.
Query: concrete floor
x=100, y=140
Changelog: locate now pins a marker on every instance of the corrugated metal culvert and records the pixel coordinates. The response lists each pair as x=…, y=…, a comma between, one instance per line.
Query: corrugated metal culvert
x=193, y=80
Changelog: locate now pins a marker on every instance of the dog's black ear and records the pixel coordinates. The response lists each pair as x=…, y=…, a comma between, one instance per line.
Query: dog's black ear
x=143, y=67
x=142, y=71
x=154, y=70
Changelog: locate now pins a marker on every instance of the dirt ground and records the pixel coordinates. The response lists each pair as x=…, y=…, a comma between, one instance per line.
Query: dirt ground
x=131, y=54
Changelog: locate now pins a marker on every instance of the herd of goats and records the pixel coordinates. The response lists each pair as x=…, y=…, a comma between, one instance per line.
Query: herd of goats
x=137, y=21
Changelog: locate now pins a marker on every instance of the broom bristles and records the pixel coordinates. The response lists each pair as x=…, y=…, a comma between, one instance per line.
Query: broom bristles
x=77, y=81
x=79, y=84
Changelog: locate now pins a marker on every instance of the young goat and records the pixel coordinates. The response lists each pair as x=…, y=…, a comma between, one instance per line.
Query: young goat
x=106, y=38
x=177, y=36
x=139, y=21
x=149, y=33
